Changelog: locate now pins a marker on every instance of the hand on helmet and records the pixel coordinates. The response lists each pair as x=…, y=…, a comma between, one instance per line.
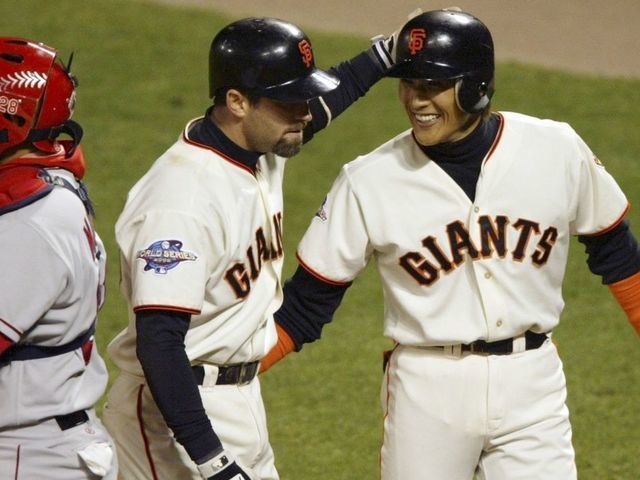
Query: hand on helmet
x=385, y=47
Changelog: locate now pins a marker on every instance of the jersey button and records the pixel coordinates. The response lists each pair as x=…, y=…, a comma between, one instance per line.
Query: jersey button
x=476, y=209
x=487, y=275
x=499, y=323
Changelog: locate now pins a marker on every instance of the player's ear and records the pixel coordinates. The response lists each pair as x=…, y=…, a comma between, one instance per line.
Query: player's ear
x=237, y=102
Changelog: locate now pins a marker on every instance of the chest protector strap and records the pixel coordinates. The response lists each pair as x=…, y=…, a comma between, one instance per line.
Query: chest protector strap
x=20, y=352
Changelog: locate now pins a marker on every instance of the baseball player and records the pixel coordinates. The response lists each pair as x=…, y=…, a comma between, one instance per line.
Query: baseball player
x=52, y=282
x=201, y=257
x=468, y=215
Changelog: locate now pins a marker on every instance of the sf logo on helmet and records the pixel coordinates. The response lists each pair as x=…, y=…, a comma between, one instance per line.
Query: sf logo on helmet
x=307, y=53
x=416, y=40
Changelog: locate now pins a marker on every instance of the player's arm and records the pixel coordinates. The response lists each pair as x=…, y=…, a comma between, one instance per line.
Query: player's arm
x=615, y=256
x=160, y=349
x=357, y=76
x=309, y=304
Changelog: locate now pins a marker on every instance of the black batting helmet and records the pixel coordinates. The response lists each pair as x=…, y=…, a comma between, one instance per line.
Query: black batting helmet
x=448, y=45
x=268, y=57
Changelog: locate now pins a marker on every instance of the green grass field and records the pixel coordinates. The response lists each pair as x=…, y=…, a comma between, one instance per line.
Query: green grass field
x=143, y=74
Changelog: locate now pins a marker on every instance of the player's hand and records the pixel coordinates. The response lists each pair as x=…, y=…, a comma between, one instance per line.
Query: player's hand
x=387, y=46
x=222, y=467
x=232, y=472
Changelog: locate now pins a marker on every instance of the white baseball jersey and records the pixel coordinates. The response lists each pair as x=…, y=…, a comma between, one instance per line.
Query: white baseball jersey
x=51, y=275
x=199, y=232
x=455, y=270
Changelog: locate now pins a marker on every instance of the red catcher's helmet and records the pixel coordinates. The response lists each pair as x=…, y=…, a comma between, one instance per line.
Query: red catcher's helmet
x=37, y=96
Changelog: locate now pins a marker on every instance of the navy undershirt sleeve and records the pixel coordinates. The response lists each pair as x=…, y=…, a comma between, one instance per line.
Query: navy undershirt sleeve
x=614, y=255
x=308, y=305
x=356, y=76
x=160, y=349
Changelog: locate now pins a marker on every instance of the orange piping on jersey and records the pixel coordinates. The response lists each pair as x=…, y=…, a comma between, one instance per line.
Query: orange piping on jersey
x=225, y=157
x=143, y=308
x=145, y=440
x=627, y=293
x=497, y=139
x=318, y=276
x=614, y=224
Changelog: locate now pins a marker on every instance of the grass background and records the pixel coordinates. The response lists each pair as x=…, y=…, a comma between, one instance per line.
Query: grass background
x=143, y=74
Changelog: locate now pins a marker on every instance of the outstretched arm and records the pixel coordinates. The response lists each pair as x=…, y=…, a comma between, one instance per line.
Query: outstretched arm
x=309, y=304
x=357, y=76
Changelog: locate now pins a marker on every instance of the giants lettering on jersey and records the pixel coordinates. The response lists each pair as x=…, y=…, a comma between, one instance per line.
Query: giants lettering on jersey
x=493, y=241
x=241, y=274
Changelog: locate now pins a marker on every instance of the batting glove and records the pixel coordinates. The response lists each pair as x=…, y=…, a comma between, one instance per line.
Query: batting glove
x=222, y=467
x=385, y=47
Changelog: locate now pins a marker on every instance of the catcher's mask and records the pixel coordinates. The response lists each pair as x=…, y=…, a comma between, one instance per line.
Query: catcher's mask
x=37, y=96
x=269, y=58
x=449, y=45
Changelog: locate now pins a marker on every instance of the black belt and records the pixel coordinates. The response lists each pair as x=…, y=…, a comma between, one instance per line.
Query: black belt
x=70, y=420
x=236, y=374
x=504, y=347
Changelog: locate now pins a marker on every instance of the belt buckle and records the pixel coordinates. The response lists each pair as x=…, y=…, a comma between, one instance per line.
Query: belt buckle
x=242, y=374
x=247, y=372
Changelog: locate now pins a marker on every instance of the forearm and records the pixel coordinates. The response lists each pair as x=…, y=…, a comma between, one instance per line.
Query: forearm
x=627, y=293
x=356, y=76
x=160, y=349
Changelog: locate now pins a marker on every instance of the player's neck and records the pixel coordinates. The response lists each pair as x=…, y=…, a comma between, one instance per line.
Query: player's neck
x=230, y=125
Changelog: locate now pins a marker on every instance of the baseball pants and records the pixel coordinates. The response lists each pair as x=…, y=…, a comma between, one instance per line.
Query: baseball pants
x=501, y=417
x=146, y=446
x=45, y=450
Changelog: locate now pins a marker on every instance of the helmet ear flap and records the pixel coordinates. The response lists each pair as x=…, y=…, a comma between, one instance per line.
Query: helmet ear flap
x=472, y=95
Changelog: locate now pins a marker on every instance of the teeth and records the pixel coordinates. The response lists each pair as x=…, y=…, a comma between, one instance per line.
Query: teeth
x=426, y=118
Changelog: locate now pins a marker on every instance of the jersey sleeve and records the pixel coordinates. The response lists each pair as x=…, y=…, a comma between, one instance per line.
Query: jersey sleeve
x=600, y=203
x=170, y=256
x=29, y=260
x=335, y=248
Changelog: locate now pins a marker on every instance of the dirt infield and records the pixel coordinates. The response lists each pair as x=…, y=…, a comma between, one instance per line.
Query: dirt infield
x=589, y=36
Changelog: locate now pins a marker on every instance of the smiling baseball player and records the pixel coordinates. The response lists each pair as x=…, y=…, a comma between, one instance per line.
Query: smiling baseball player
x=52, y=281
x=468, y=216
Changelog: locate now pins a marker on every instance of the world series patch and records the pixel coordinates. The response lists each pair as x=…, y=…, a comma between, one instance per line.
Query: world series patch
x=163, y=255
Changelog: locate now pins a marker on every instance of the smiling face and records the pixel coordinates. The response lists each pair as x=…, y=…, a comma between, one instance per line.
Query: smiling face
x=272, y=126
x=433, y=112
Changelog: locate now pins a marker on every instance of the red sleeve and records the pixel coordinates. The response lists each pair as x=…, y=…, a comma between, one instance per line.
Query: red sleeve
x=5, y=342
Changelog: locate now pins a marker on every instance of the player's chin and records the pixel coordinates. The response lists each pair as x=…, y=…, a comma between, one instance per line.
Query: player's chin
x=288, y=146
